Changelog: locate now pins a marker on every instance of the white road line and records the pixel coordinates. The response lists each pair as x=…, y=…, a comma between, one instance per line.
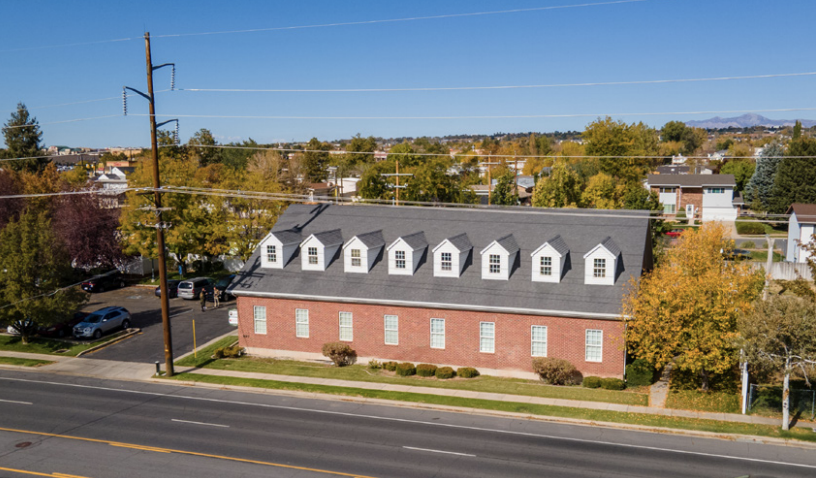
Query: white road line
x=15, y=401
x=201, y=423
x=437, y=451
x=419, y=422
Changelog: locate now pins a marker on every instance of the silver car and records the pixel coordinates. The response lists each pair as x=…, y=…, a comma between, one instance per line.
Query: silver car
x=192, y=289
x=102, y=321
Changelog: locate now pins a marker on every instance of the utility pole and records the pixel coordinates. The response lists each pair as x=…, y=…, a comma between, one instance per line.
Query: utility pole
x=489, y=181
x=165, y=304
x=398, y=187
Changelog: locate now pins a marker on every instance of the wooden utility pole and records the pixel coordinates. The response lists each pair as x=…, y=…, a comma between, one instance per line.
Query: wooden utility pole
x=515, y=175
x=398, y=188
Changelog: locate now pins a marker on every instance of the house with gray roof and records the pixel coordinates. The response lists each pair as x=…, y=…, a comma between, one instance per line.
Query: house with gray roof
x=708, y=197
x=801, y=230
x=489, y=289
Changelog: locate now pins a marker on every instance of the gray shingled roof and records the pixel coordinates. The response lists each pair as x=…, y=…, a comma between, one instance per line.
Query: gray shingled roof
x=330, y=238
x=530, y=228
x=290, y=236
x=461, y=242
x=372, y=239
x=509, y=244
x=558, y=244
x=691, y=180
x=415, y=241
x=610, y=246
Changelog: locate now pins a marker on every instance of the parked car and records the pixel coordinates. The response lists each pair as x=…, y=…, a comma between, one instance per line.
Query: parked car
x=737, y=255
x=172, y=289
x=103, y=282
x=102, y=321
x=61, y=329
x=675, y=232
x=221, y=287
x=13, y=331
x=191, y=289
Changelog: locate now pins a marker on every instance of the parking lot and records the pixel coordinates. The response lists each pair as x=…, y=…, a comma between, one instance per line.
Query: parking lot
x=145, y=309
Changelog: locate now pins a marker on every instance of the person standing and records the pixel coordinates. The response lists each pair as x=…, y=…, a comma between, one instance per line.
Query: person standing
x=203, y=296
x=215, y=293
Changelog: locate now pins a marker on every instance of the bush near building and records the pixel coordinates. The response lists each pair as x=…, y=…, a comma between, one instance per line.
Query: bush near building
x=612, y=384
x=445, y=373
x=339, y=353
x=426, y=370
x=554, y=371
x=640, y=373
x=405, y=369
x=591, y=382
x=467, y=372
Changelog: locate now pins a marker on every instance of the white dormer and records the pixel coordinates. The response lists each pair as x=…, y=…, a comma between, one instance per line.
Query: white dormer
x=499, y=258
x=601, y=263
x=405, y=253
x=318, y=250
x=549, y=260
x=451, y=255
x=360, y=253
x=277, y=248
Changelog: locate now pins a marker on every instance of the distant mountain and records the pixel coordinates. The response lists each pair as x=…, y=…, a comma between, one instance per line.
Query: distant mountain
x=746, y=121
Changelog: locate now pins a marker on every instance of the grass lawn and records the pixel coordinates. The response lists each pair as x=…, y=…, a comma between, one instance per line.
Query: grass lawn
x=706, y=402
x=546, y=410
x=361, y=373
x=24, y=362
x=762, y=256
x=38, y=345
x=772, y=229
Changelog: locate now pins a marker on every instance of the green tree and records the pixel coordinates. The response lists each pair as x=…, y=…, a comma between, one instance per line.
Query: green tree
x=561, y=189
x=405, y=154
x=797, y=130
x=314, y=162
x=36, y=272
x=742, y=169
x=504, y=194
x=795, y=179
x=373, y=185
x=240, y=156
x=759, y=189
x=614, y=140
x=23, y=136
x=781, y=332
x=360, y=151
x=202, y=145
x=430, y=183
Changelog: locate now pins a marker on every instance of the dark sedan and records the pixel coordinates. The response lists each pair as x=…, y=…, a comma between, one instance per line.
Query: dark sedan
x=101, y=283
x=64, y=328
x=172, y=289
x=221, y=287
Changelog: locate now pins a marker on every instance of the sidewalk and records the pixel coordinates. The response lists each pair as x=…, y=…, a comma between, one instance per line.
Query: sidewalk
x=108, y=369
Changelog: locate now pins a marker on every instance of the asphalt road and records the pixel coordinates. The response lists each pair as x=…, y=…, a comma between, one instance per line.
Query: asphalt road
x=145, y=310
x=197, y=431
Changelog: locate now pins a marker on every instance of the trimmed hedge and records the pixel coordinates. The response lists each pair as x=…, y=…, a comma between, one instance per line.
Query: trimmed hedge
x=554, y=370
x=233, y=351
x=426, y=370
x=467, y=372
x=339, y=353
x=390, y=366
x=444, y=373
x=750, y=227
x=374, y=364
x=591, y=382
x=640, y=373
x=612, y=384
x=405, y=369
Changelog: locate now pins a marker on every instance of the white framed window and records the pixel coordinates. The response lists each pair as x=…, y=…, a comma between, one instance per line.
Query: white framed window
x=399, y=259
x=312, y=253
x=495, y=263
x=716, y=190
x=346, y=327
x=668, y=190
x=594, y=345
x=356, y=261
x=669, y=208
x=447, y=261
x=538, y=341
x=437, y=333
x=271, y=254
x=599, y=268
x=302, y=323
x=546, y=265
x=259, y=314
x=487, y=337
x=391, y=329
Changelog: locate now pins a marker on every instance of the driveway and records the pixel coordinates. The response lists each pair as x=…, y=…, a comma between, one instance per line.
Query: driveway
x=145, y=309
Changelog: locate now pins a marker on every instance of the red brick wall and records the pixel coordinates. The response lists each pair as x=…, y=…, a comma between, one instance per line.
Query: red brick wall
x=565, y=336
x=691, y=196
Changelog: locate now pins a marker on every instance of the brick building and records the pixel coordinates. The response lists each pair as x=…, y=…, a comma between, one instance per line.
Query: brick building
x=709, y=197
x=459, y=287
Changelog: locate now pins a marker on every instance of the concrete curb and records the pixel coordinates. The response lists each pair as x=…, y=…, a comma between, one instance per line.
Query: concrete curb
x=131, y=332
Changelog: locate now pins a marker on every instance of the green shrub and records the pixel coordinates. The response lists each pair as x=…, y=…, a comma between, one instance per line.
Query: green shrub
x=425, y=370
x=339, y=353
x=390, y=366
x=748, y=245
x=374, y=364
x=681, y=214
x=233, y=351
x=750, y=227
x=592, y=382
x=612, y=384
x=405, y=369
x=467, y=372
x=639, y=373
x=444, y=373
x=555, y=371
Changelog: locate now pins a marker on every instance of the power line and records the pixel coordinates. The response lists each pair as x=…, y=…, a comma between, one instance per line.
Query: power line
x=86, y=101
x=504, y=87
x=67, y=193
x=407, y=19
x=64, y=121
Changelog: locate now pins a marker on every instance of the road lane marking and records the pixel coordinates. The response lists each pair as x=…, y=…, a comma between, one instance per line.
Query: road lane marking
x=437, y=451
x=170, y=450
x=15, y=401
x=36, y=473
x=201, y=423
x=65, y=475
x=418, y=422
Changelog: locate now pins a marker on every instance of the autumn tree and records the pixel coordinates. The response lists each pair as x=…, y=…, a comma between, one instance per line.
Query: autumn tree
x=88, y=231
x=781, y=332
x=621, y=147
x=10, y=208
x=561, y=189
x=686, y=309
x=601, y=192
x=202, y=145
x=23, y=140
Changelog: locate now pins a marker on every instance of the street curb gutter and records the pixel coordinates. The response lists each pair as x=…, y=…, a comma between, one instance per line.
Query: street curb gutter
x=497, y=413
x=131, y=332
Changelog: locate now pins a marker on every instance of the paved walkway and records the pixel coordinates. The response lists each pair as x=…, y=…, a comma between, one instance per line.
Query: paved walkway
x=108, y=369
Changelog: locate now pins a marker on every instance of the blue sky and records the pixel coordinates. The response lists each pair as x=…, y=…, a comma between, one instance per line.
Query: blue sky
x=648, y=40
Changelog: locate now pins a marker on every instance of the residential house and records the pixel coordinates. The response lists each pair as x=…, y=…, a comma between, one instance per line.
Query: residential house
x=801, y=228
x=458, y=287
x=112, y=185
x=708, y=197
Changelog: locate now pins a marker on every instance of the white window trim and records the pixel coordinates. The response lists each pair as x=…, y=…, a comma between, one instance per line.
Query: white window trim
x=430, y=325
x=299, y=322
x=386, y=329
x=256, y=320
x=446, y=263
x=316, y=255
x=595, y=268
x=587, y=345
x=358, y=258
x=490, y=264
x=272, y=257
x=542, y=266
x=397, y=260
x=546, y=340
x=350, y=327
x=481, y=337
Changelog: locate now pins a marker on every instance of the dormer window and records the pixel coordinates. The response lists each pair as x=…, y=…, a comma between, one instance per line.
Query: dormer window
x=550, y=260
x=495, y=264
x=272, y=254
x=362, y=251
x=405, y=254
x=546, y=266
x=602, y=263
x=451, y=256
x=399, y=259
x=319, y=250
x=312, y=255
x=356, y=261
x=277, y=248
x=446, y=261
x=499, y=258
x=599, y=268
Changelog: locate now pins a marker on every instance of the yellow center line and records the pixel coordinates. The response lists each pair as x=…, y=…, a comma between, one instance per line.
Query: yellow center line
x=37, y=473
x=169, y=450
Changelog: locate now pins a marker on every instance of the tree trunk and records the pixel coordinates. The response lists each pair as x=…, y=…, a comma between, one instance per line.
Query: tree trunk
x=704, y=380
x=786, y=397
